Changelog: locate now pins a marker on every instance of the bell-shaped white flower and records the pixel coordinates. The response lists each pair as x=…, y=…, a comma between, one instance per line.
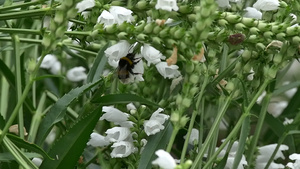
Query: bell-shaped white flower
x=288, y=121
x=266, y=5
x=85, y=4
x=167, y=5
x=155, y=123
x=276, y=107
x=122, y=149
x=265, y=153
x=55, y=68
x=164, y=160
x=296, y=164
x=130, y=106
x=151, y=54
x=194, y=136
x=97, y=140
x=158, y=116
x=167, y=71
x=113, y=115
x=48, y=61
x=117, y=51
x=76, y=74
x=106, y=18
x=117, y=134
x=223, y=3
x=252, y=13
x=121, y=14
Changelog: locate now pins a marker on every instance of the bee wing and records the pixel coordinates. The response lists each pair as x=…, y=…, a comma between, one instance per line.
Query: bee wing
x=123, y=73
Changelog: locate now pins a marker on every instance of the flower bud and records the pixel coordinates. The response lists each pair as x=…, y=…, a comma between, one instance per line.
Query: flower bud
x=205, y=12
x=247, y=67
x=260, y=46
x=291, y=31
x=233, y=18
x=283, y=4
x=46, y=40
x=178, y=99
x=175, y=117
x=254, y=30
x=72, y=13
x=149, y=27
x=140, y=26
x=238, y=67
x=185, y=9
x=157, y=29
x=31, y=65
x=170, y=42
x=192, y=17
x=141, y=5
x=253, y=39
x=281, y=36
x=68, y=3
x=296, y=40
x=60, y=31
x=246, y=55
x=157, y=41
x=59, y=17
x=141, y=37
x=276, y=28
x=200, y=26
x=194, y=90
x=268, y=34
x=240, y=26
x=111, y=29
x=222, y=22
x=186, y=102
x=122, y=36
x=263, y=26
x=194, y=78
x=183, y=121
x=249, y=22
x=229, y=86
x=277, y=58
x=164, y=33
x=179, y=33
x=204, y=34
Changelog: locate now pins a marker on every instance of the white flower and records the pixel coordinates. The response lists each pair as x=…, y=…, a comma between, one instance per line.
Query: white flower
x=266, y=5
x=117, y=51
x=296, y=164
x=151, y=54
x=155, y=123
x=252, y=13
x=290, y=93
x=113, y=115
x=223, y=3
x=37, y=161
x=276, y=107
x=106, y=18
x=287, y=121
x=85, y=4
x=167, y=71
x=55, y=68
x=194, y=136
x=167, y=5
x=121, y=14
x=164, y=160
x=130, y=106
x=48, y=61
x=117, y=134
x=122, y=149
x=76, y=74
x=97, y=140
x=251, y=75
x=265, y=153
x=261, y=97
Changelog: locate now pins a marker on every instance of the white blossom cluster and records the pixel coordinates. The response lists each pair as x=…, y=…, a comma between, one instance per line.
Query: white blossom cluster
x=121, y=136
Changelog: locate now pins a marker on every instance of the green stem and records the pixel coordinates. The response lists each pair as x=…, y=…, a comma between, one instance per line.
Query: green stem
x=214, y=127
x=24, y=14
x=5, y=86
x=19, y=5
x=26, y=40
x=194, y=115
x=172, y=139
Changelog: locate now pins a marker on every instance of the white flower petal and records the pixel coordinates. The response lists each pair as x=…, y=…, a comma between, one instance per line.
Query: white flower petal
x=113, y=115
x=121, y=14
x=164, y=160
x=37, y=161
x=122, y=149
x=97, y=140
x=194, y=136
x=267, y=151
x=161, y=118
x=223, y=3
x=294, y=156
x=117, y=51
x=48, y=61
x=152, y=127
x=106, y=18
x=276, y=108
x=252, y=13
x=76, y=74
x=117, y=134
x=287, y=121
x=85, y=4
x=130, y=106
x=151, y=54
x=167, y=5
x=266, y=5
x=167, y=71
x=55, y=68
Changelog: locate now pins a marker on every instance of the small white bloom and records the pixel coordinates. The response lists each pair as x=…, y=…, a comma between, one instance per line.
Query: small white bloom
x=194, y=136
x=252, y=13
x=164, y=160
x=296, y=164
x=261, y=97
x=287, y=121
x=48, y=61
x=122, y=149
x=167, y=5
x=117, y=134
x=155, y=123
x=85, y=4
x=97, y=140
x=121, y=14
x=130, y=106
x=265, y=153
x=127, y=124
x=117, y=51
x=251, y=75
x=113, y=115
x=230, y=160
x=106, y=18
x=55, y=68
x=37, y=161
x=167, y=71
x=266, y=5
x=275, y=108
x=158, y=116
x=76, y=74
x=151, y=54
x=223, y=3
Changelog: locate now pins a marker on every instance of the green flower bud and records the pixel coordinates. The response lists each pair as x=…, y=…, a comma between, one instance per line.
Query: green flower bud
x=193, y=91
x=149, y=28
x=111, y=29
x=260, y=46
x=263, y=26
x=205, y=12
x=164, y=33
x=178, y=99
x=146, y=90
x=270, y=73
x=157, y=29
x=249, y=22
x=230, y=86
x=186, y=102
x=254, y=54
x=281, y=36
x=233, y=18
x=123, y=36
x=46, y=40
x=183, y=121
x=296, y=40
x=291, y=31
x=200, y=26
x=283, y=4
x=170, y=42
x=53, y=26
x=291, y=51
x=253, y=38
x=276, y=28
x=60, y=31
x=68, y=3
x=238, y=67
x=240, y=26
x=268, y=34
x=204, y=34
x=194, y=78
x=175, y=117
x=123, y=27
x=192, y=17
x=141, y=5
x=187, y=164
x=254, y=30
x=72, y=13
x=31, y=65
x=179, y=33
x=157, y=41
x=141, y=37
x=247, y=67
x=277, y=58
x=246, y=55
x=140, y=26
x=59, y=17
x=222, y=22
x=185, y=9
x=163, y=103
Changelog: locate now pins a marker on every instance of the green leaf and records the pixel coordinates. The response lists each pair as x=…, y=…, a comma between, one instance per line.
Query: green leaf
x=8, y=157
x=58, y=111
x=26, y=145
x=98, y=66
x=71, y=145
x=122, y=98
x=48, y=76
x=155, y=142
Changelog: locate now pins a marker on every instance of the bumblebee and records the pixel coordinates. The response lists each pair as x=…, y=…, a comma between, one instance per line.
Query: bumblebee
x=126, y=64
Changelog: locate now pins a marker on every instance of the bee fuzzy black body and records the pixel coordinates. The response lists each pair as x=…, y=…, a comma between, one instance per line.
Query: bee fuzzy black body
x=126, y=64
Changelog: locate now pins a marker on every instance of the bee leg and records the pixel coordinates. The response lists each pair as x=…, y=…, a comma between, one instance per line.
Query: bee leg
x=136, y=60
